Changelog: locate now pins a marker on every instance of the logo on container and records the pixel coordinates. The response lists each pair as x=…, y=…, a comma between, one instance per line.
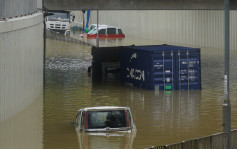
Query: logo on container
x=136, y=74
x=134, y=56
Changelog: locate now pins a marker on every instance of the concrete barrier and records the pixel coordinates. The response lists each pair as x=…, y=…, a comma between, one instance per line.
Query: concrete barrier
x=21, y=63
x=57, y=36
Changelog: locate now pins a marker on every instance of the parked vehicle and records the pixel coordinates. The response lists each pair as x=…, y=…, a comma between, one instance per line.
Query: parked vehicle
x=106, y=32
x=104, y=119
x=93, y=26
x=59, y=21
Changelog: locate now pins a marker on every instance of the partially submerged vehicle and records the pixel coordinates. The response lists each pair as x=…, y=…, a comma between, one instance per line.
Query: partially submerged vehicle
x=93, y=26
x=104, y=119
x=106, y=32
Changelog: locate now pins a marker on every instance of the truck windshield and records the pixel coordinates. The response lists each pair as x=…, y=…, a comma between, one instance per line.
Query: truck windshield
x=59, y=16
x=103, y=119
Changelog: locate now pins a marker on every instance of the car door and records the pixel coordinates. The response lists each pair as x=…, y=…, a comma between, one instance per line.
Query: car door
x=102, y=33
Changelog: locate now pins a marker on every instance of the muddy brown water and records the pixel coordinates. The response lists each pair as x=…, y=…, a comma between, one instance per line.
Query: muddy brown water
x=160, y=117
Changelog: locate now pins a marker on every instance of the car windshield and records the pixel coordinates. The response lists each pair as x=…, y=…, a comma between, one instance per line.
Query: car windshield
x=94, y=31
x=92, y=27
x=103, y=119
x=59, y=16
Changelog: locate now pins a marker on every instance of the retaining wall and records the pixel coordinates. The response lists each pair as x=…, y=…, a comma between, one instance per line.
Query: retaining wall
x=198, y=28
x=12, y=8
x=21, y=63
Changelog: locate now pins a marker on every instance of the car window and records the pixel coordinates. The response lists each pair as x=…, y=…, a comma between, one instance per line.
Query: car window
x=101, y=31
x=120, y=31
x=111, y=30
x=103, y=119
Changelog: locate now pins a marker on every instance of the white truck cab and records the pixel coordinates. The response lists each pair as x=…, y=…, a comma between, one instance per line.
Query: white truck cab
x=58, y=21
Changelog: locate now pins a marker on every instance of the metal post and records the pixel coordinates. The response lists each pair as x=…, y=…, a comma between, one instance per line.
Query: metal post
x=44, y=54
x=97, y=37
x=188, y=67
x=83, y=23
x=226, y=104
x=172, y=69
x=163, y=54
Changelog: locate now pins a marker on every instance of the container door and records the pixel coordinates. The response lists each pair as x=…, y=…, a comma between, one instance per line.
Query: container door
x=135, y=67
x=188, y=70
x=163, y=70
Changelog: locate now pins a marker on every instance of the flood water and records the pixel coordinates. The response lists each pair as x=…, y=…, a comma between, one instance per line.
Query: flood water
x=161, y=117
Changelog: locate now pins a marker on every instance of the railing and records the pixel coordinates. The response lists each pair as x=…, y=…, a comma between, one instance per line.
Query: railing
x=216, y=141
x=13, y=8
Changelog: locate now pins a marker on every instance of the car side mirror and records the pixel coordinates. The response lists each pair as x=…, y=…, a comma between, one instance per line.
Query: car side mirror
x=71, y=123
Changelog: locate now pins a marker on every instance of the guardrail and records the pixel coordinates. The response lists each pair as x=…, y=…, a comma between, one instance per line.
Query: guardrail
x=14, y=8
x=216, y=141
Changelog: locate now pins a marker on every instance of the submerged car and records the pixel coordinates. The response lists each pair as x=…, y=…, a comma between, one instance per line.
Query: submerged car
x=106, y=32
x=104, y=119
x=93, y=26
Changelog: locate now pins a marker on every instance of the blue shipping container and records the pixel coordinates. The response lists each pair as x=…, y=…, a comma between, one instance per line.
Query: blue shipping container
x=162, y=67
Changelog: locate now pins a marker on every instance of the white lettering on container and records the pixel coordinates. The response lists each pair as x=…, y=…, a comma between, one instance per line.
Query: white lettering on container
x=136, y=74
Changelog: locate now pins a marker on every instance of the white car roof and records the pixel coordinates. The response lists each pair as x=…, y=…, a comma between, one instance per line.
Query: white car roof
x=103, y=108
x=107, y=26
x=99, y=25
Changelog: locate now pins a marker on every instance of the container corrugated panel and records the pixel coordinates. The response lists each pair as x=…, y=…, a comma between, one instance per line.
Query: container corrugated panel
x=188, y=69
x=162, y=67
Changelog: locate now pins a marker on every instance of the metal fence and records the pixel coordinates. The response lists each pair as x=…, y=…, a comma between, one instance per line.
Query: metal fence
x=13, y=8
x=216, y=141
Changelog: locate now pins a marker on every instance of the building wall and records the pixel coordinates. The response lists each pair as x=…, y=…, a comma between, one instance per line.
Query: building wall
x=199, y=28
x=39, y=4
x=12, y=8
x=21, y=63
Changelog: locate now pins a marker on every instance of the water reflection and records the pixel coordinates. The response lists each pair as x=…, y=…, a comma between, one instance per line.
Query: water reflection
x=25, y=129
x=106, y=140
x=163, y=116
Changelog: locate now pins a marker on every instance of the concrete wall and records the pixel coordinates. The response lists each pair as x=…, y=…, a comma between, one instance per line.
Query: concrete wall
x=198, y=28
x=39, y=4
x=12, y=8
x=21, y=63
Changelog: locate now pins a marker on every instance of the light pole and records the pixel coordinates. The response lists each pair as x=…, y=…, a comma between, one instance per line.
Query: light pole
x=226, y=104
x=83, y=12
x=97, y=35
